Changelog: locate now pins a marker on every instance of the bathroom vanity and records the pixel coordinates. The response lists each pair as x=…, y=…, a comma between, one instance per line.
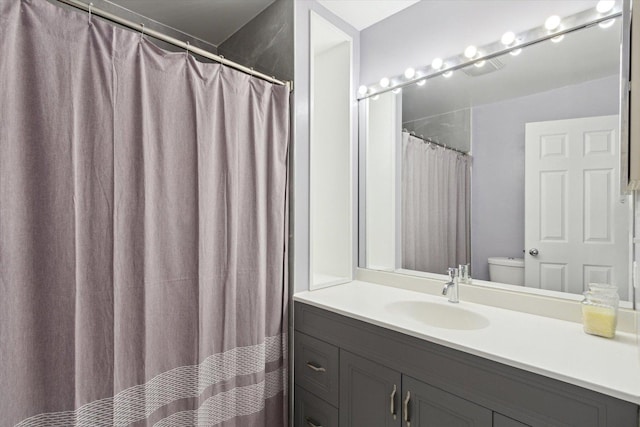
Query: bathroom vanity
x=372, y=355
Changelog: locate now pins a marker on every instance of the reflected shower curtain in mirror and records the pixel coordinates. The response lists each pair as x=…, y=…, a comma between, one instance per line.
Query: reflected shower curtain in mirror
x=143, y=224
x=435, y=206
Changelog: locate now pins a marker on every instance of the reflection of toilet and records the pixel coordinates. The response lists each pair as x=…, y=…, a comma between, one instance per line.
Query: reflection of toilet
x=506, y=270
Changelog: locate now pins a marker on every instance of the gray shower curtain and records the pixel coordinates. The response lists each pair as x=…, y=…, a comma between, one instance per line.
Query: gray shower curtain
x=142, y=231
x=436, y=208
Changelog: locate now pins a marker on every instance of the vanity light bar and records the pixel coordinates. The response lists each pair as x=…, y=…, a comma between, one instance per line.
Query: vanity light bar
x=475, y=55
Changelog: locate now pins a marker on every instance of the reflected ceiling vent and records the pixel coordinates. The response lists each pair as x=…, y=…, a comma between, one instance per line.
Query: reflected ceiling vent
x=483, y=67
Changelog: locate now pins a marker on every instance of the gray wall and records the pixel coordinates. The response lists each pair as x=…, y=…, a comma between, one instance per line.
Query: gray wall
x=497, y=179
x=266, y=42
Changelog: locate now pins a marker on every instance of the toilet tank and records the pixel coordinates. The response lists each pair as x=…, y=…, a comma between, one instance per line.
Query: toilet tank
x=507, y=270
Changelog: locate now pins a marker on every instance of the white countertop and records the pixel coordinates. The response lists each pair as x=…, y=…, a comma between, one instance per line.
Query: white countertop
x=554, y=348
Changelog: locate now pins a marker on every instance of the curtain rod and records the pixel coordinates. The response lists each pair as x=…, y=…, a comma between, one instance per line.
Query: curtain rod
x=171, y=40
x=431, y=141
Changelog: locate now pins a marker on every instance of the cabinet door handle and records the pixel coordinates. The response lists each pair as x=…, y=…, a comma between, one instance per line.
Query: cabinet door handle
x=406, y=409
x=315, y=367
x=392, y=398
x=312, y=423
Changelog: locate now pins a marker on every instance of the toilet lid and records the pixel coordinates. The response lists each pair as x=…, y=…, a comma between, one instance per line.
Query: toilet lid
x=507, y=261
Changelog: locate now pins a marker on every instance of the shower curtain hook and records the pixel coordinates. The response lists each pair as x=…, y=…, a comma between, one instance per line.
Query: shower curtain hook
x=187, y=50
x=141, y=31
x=90, y=11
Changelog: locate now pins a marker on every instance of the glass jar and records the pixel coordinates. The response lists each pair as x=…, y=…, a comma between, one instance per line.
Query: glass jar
x=600, y=310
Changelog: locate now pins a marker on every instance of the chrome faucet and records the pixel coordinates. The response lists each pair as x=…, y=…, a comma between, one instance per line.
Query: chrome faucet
x=453, y=284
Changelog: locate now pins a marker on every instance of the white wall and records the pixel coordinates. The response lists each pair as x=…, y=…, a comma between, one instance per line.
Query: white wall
x=300, y=224
x=330, y=163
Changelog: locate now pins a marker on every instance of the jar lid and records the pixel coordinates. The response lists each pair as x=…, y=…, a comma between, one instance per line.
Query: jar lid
x=603, y=287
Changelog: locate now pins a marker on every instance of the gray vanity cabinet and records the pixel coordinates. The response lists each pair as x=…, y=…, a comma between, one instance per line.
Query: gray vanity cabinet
x=346, y=371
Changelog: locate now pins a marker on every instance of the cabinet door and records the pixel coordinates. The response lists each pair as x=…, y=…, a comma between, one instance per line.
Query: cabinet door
x=369, y=393
x=430, y=406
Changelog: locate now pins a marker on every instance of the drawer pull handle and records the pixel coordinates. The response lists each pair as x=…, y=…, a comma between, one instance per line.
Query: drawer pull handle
x=392, y=398
x=311, y=422
x=316, y=367
x=406, y=409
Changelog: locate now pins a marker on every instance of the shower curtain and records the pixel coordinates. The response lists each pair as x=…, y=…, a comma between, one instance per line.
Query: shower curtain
x=435, y=206
x=142, y=231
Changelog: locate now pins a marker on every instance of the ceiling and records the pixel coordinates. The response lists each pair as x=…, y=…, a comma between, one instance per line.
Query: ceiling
x=361, y=14
x=212, y=21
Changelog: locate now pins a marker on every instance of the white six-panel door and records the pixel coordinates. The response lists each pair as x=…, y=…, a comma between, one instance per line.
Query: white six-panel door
x=574, y=215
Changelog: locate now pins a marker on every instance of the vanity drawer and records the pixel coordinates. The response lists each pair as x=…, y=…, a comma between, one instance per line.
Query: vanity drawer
x=316, y=367
x=311, y=411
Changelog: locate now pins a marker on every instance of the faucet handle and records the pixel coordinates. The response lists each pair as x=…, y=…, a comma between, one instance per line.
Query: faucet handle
x=452, y=272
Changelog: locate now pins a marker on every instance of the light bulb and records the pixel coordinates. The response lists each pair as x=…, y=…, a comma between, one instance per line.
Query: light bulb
x=422, y=82
x=447, y=74
x=552, y=22
x=605, y=6
x=384, y=82
x=409, y=73
x=557, y=39
x=508, y=38
x=515, y=52
x=437, y=63
x=607, y=23
x=397, y=90
x=375, y=97
x=362, y=90
x=470, y=51
x=480, y=64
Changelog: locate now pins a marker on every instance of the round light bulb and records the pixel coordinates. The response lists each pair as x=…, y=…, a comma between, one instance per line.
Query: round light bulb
x=552, y=22
x=437, y=63
x=409, y=73
x=362, y=90
x=375, y=97
x=516, y=52
x=605, y=6
x=607, y=23
x=470, y=51
x=384, y=82
x=447, y=74
x=508, y=38
x=480, y=64
x=557, y=39
x=422, y=82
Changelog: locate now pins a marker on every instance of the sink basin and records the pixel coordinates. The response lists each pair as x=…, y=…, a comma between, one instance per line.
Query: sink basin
x=446, y=316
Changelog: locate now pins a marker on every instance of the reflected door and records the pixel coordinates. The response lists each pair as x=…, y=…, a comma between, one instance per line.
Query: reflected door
x=575, y=220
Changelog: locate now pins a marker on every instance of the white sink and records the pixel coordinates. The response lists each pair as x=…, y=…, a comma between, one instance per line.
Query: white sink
x=445, y=315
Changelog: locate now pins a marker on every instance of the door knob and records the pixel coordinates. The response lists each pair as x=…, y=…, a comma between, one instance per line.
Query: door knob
x=533, y=252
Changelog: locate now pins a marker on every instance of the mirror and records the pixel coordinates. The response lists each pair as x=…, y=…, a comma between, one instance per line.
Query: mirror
x=510, y=165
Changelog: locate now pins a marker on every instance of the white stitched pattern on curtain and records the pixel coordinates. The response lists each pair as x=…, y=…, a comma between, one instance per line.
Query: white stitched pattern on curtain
x=230, y=404
x=138, y=402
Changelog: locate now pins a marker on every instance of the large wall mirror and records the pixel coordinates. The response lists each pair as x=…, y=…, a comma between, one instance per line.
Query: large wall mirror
x=511, y=165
